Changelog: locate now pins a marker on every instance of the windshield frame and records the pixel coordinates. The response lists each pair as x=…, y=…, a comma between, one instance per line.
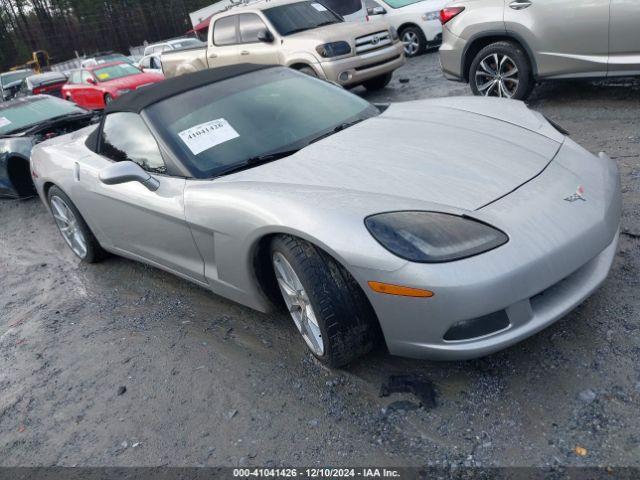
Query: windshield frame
x=159, y=127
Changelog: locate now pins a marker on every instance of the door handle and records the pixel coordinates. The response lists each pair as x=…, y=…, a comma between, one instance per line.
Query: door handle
x=244, y=52
x=520, y=4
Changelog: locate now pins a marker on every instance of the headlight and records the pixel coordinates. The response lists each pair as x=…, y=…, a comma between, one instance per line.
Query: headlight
x=123, y=91
x=335, y=49
x=394, y=34
x=431, y=16
x=430, y=237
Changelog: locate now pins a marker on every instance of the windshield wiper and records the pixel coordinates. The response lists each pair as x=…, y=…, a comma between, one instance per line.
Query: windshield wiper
x=338, y=128
x=258, y=160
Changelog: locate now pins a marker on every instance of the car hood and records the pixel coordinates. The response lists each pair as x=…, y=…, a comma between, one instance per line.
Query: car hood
x=343, y=31
x=133, y=81
x=461, y=152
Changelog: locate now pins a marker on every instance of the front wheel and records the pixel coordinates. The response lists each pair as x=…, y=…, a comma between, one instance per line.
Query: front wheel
x=108, y=99
x=378, y=83
x=326, y=304
x=73, y=228
x=501, y=69
x=414, y=41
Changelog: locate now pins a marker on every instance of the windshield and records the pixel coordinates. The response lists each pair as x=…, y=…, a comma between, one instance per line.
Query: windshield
x=7, y=78
x=343, y=7
x=220, y=126
x=400, y=3
x=115, y=71
x=25, y=112
x=187, y=42
x=298, y=17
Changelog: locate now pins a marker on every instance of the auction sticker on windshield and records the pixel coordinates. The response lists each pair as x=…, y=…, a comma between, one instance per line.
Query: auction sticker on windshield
x=208, y=135
x=4, y=122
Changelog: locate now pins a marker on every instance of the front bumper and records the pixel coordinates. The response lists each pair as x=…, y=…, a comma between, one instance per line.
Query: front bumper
x=355, y=70
x=559, y=253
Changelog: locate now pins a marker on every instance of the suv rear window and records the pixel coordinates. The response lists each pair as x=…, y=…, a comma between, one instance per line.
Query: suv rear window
x=298, y=17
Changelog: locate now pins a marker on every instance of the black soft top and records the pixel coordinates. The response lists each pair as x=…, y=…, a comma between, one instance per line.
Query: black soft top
x=146, y=96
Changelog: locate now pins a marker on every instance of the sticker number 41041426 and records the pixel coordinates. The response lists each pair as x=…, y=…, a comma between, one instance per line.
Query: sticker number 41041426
x=208, y=135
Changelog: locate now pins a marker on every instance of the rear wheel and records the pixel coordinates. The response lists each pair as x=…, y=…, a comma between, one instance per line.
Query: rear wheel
x=413, y=40
x=326, y=304
x=501, y=69
x=73, y=228
x=378, y=83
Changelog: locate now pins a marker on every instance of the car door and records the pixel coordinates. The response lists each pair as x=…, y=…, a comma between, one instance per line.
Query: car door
x=91, y=95
x=71, y=90
x=252, y=50
x=136, y=222
x=223, y=45
x=624, y=38
x=568, y=38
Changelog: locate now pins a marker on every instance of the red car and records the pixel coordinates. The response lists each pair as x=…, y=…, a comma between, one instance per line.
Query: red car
x=94, y=87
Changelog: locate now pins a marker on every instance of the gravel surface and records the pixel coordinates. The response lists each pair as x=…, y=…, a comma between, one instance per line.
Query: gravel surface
x=122, y=364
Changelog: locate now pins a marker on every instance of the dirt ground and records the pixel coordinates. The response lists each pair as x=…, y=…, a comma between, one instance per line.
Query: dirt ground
x=120, y=364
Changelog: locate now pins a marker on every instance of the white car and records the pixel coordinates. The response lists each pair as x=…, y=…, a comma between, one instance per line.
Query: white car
x=417, y=21
x=172, y=45
x=151, y=64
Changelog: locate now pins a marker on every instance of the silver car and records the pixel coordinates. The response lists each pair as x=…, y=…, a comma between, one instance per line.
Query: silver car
x=449, y=228
x=502, y=47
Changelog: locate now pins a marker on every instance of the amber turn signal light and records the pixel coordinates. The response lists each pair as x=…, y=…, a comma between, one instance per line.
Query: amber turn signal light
x=399, y=291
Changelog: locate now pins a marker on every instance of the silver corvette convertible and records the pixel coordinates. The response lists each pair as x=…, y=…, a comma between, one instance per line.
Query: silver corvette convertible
x=448, y=228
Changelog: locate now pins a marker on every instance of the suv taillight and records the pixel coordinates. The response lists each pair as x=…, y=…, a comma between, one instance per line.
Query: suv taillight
x=38, y=91
x=447, y=14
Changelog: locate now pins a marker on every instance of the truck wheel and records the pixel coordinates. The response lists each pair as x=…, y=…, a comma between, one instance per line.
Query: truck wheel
x=328, y=307
x=378, y=83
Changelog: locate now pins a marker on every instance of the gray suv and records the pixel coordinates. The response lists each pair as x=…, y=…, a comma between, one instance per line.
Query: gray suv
x=502, y=47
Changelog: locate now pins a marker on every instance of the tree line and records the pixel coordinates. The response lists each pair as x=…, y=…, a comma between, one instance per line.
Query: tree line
x=64, y=27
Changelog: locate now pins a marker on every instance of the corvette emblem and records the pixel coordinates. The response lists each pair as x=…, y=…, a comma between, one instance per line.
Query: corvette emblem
x=579, y=195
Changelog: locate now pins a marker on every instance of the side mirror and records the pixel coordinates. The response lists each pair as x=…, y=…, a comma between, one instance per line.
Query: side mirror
x=91, y=81
x=377, y=11
x=265, y=36
x=125, y=172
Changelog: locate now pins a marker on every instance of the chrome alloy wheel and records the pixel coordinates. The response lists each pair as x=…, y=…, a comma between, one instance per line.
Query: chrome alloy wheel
x=68, y=226
x=497, y=76
x=411, y=43
x=298, y=304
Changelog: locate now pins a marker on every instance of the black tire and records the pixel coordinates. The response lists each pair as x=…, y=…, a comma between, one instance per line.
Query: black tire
x=378, y=83
x=414, y=34
x=478, y=77
x=308, y=71
x=95, y=252
x=346, y=319
x=107, y=99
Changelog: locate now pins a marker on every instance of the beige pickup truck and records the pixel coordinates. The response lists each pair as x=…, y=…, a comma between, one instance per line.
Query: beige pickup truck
x=304, y=35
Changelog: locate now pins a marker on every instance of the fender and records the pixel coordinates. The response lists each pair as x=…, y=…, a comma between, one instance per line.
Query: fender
x=498, y=33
